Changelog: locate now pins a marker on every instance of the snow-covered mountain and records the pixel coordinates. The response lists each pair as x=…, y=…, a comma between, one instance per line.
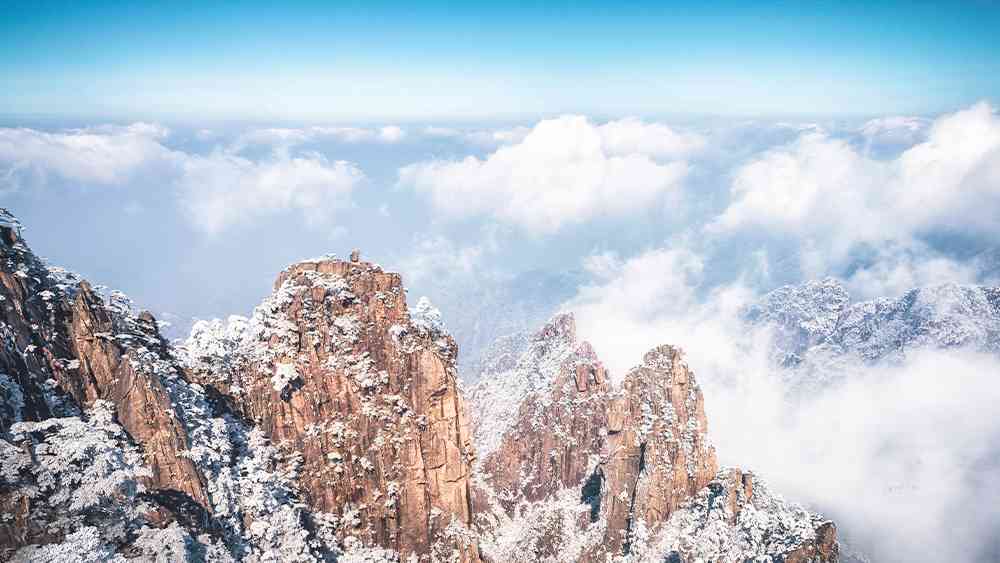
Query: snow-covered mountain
x=575, y=468
x=816, y=321
x=330, y=425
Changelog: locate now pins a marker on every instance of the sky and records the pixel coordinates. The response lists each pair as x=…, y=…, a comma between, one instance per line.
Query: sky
x=654, y=168
x=478, y=60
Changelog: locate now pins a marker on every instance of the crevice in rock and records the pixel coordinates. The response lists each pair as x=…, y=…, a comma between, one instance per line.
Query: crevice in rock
x=627, y=547
x=591, y=493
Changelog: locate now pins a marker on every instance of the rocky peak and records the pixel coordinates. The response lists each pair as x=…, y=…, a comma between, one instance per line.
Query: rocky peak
x=658, y=448
x=588, y=471
x=496, y=399
x=93, y=402
x=68, y=347
x=333, y=369
x=327, y=423
x=724, y=521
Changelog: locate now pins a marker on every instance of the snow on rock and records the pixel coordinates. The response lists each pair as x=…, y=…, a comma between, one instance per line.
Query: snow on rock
x=818, y=330
x=108, y=439
x=737, y=518
x=364, y=393
x=495, y=400
x=426, y=315
x=284, y=374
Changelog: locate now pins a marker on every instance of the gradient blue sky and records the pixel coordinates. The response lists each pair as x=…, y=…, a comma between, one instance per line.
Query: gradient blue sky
x=438, y=60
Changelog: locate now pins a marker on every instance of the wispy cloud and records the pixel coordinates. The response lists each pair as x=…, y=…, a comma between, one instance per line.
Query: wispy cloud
x=103, y=156
x=222, y=190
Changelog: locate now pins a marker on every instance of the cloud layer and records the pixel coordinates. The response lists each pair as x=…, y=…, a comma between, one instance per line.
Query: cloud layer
x=224, y=189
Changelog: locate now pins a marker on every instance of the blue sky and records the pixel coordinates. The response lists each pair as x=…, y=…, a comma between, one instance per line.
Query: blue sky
x=438, y=60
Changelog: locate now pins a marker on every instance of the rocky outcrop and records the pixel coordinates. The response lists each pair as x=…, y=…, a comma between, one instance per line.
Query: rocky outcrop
x=658, y=454
x=558, y=434
x=111, y=367
x=815, y=323
x=331, y=425
x=591, y=471
x=334, y=369
x=737, y=518
x=64, y=348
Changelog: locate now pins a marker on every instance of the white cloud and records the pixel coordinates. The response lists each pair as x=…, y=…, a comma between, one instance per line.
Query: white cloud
x=272, y=137
x=489, y=138
x=953, y=179
x=391, y=134
x=564, y=171
x=603, y=265
x=825, y=192
x=106, y=156
x=442, y=132
x=817, y=187
x=216, y=191
x=278, y=137
x=895, y=130
x=622, y=312
x=503, y=136
x=223, y=189
x=633, y=136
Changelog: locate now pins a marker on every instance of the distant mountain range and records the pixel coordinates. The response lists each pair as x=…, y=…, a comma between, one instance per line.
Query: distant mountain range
x=816, y=321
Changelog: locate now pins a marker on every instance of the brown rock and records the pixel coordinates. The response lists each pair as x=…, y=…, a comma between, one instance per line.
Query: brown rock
x=633, y=452
x=559, y=434
x=67, y=334
x=658, y=453
x=142, y=403
x=368, y=398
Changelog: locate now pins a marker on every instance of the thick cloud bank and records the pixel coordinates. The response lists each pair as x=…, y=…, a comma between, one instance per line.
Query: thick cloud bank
x=825, y=191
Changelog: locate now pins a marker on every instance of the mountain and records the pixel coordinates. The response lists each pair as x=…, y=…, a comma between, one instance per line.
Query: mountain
x=816, y=321
x=333, y=368
x=330, y=425
x=577, y=467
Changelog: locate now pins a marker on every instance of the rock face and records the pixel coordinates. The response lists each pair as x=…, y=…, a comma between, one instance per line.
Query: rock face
x=558, y=433
x=333, y=368
x=64, y=349
x=736, y=518
x=591, y=471
x=329, y=424
x=658, y=450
